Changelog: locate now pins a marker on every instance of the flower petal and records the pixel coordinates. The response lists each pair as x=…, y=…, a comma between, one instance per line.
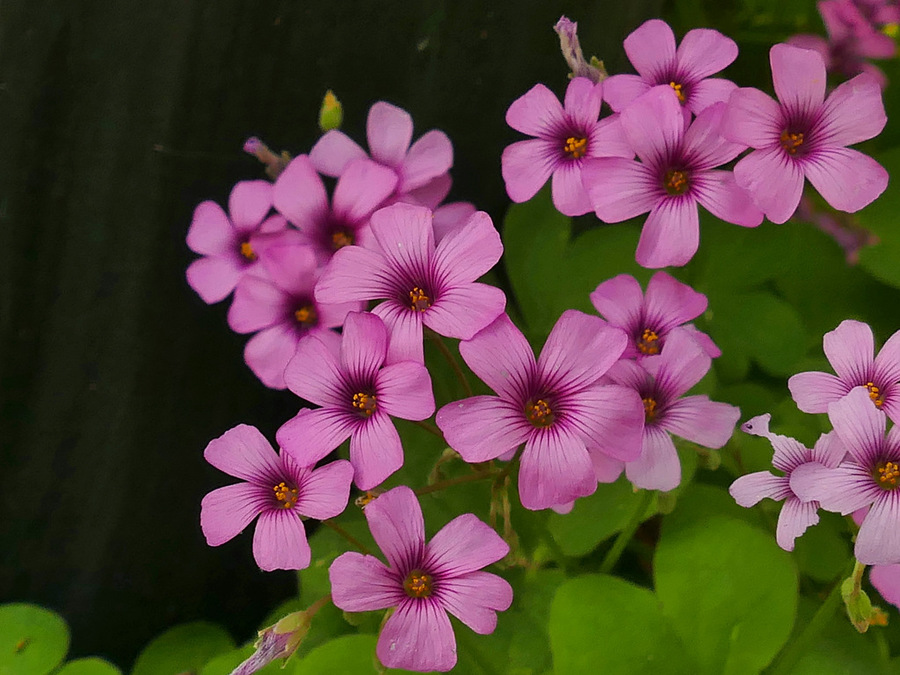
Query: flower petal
x=651, y=49
x=404, y=391
x=249, y=202
x=243, y=452
x=225, y=512
x=671, y=235
x=878, y=541
x=526, y=166
x=854, y=112
x=312, y=434
x=620, y=189
x=701, y=421
x=375, y=451
x=752, y=488
x=469, y=251
x=482, y=428
x=813, y=391
x=680, y=365
x=620, y=90
x=752, y=119
x=859, y=425
x=555, y=468
x=299, y=193
x=611, y=420
x=670, y=303
x=799, y=78
x=211, y=232
x=844, y=490
x=774, y=180
x=406, y=238
x=708, y=92
x=363, y=186
x=850, y=348
x=429, y=157
x=389, y=131
x=579, y=350
x=362, y=583
x=620, y=301
x=536, y=113
x=886, y=580
x=475, y=599
x=395, y=519
x=463, y=545
x=719, y=193
x=405, y=328
x=654, y=125
x=846, y=178
x=501, y=356
x=314, y=374
x=363, y=347
x=704, y=52
x=567, y=190
x=324, y=491
x=658, y=467
x=268, y=353
x=333, y=152
x=704, y=143
x=279, y=542
x=794, y=519
x=213, y=279
x=418, y=636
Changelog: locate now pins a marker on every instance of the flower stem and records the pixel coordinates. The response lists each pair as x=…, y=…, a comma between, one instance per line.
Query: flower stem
x=612, y=557
x=354, y=542
x=459, y=480
x=454, y=364
x=430, y=428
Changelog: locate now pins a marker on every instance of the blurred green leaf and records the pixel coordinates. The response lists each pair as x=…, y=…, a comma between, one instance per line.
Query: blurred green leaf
x=89, y=666
x=183, y=648
x=881, y=217
x=33, y=640
x=342, y=656
x=823, y=551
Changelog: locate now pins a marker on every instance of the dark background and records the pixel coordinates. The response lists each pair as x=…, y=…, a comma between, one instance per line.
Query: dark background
x=116, y=119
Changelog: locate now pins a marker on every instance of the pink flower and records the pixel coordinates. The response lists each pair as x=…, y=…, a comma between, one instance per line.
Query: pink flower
x=554, y=405
x=651, y=50
x=421, y=170
x=849, y=349
x=424, y=581
x=677, y=172
x=421, y=284
x=229, y=245
x=281, y=306
x=661, y=382
x=358, y=395
x=796, y=515
x=566, y=138
x=804, y=135
x=647, y=319
x=276, y=489
x=869, y=476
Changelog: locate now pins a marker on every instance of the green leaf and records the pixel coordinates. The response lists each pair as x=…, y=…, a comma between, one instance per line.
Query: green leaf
x=602, y=624
x=841, y=650
x=730, y=592
x=822, y=552
x=596, y=517
x=881, y=217
x=183, y=648
x=89, y=666
x=344, y=655
x=33, y=640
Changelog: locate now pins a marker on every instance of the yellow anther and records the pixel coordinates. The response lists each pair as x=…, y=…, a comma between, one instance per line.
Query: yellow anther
x=540, y=414
x=891, y=29
x=887, y=474
x=875, y=394
x=340, y=239
x=649, y=342
x=677, y=182
x=649, y=409
x=365, y=403
x=791, y=141
x=679, y=90
x=418, y=584
x=419, y=300
x=247, y=251
x=306, y=315
x=285, y=494
x=575, y=146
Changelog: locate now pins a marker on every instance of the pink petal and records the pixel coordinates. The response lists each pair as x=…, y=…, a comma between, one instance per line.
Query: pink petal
x=671, y=234
x=704, y=52
x=813, y=391
x=395, y=519
x=363, y=348
x=314, y=374
x=462, y=311
x=362, y=583
x=853, y=113
x=583, y=101
x=429, y=157
x=555, y=468
x=293, y=268
x=654, y=125
x=225, y=512
x=536, y=113
x=886, y=580
x=268, y=353
x=213, y=279
x=299, y=193
x=670, y=303
x=333, y=152
x=463, y=545
x=708, y=92
x=704, y=143
x=257, y=304
x=845, y=489
x=501, y=356
x=375, y=451
x=312, y=434
x=878, y=541
x=606, y=139
x=611, y=420
x=363, y=186
x=526, y=166
x=569, y=195
x=450, y=217
x=418, y=636
x=701, y=421
x=354, y=274
x=620, y=301
x=620, y=90
x=404, y=391
x=482, y=428
x=243, y=452
x=799, y=78
x=620, y=189
x=658, y=467
x=680, y=365
x=651, y=49
x=404, y=233
x=752, y=488
x=706, y=343
x=475, y=599
x=468, y=251
x=887, y=363
x=606, y=469
x=249, y=202
x=752, y=118
x=774, y=180
x=431, y=194
x=211, y=232
x=389, y=131
x=859, y=425
x=793, y=521
x=846, y=178
x=829, y=451
x=405, y=328
x=325, y=491
x=849, y=349
x=579, y=350
x=279, y=542
x=719, y=193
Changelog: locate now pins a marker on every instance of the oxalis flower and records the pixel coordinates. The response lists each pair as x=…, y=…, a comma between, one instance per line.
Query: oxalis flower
x=421, y=284
x=423, y=581
x=849, y=349
x=869, y=476
x=804, y=135
x=566, y=136
x=554, y=405
x=276, y=489
x=358, y=395
x=677, y=171
x=796, y=515
x=648, y=318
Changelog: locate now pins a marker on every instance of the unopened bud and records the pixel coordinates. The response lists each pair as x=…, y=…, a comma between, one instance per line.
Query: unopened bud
x=278, y=641
x=571, y=51
x=331, y=114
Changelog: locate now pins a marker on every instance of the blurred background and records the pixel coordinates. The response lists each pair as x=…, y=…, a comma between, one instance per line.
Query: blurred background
x=116, y=120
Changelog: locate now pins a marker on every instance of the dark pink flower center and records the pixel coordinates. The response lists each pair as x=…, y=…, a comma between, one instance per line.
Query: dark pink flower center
x=306, y=315
x=364, y=404
x=792, y=141
x=418, y=584
x=679, y=91
x=677, y=181
x=540, y=414
x=648, y=342
x=886, y=475
x=575, y=146
x=341, y=238
x=651, y=409
x=247, y=251
x=285, y=495
x=419, y=299
x=875, y=394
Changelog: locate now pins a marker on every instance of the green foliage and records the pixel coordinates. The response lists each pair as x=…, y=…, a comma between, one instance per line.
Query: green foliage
x=89, y=666
x=184, y=648
x=343, y=655
x=33, y=640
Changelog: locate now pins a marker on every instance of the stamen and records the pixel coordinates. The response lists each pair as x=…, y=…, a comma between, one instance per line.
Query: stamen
x=306, y=315
x=887, y=474
x=677, y=182
x=575, y=146
x=365, y=404
x=875, y=394
x=540, y=414
x=418, y=584
x=340, y=239
x=649, y=342
x=791, y=141
x=649, y=409
x=419, y=300
x=679, y=90
x=285, y=494
x=247, y=251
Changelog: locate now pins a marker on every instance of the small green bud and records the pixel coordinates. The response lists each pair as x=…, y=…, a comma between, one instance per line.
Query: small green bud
x=331, y=114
